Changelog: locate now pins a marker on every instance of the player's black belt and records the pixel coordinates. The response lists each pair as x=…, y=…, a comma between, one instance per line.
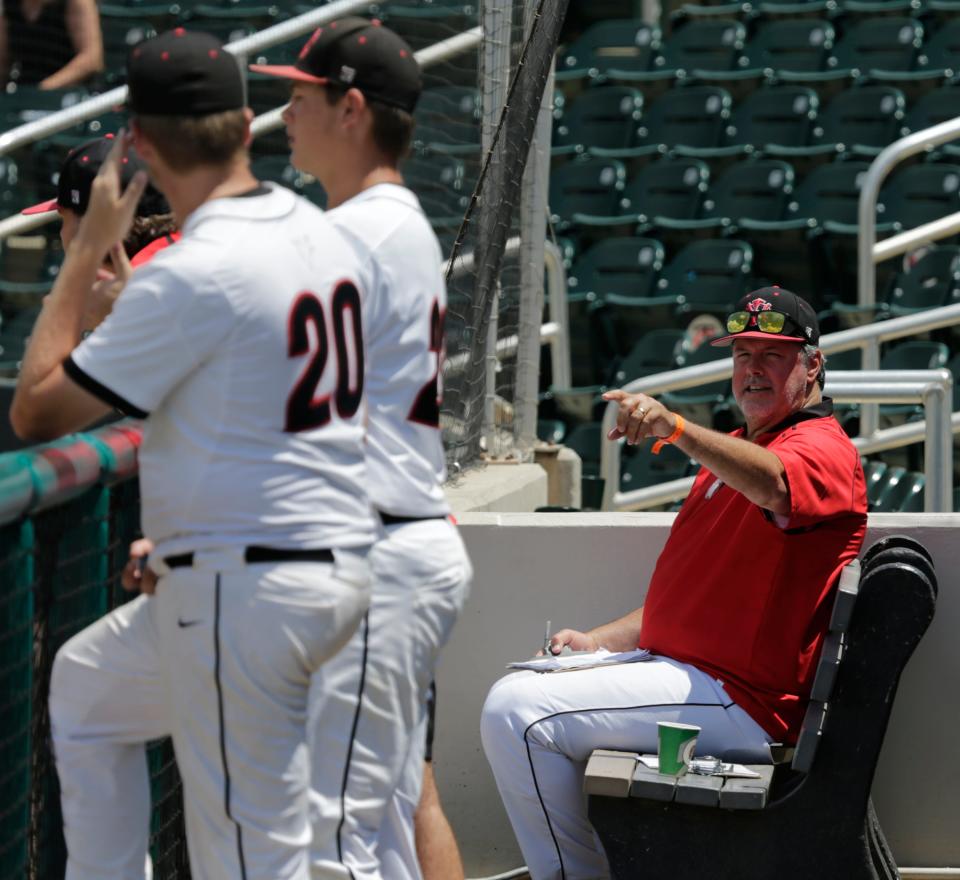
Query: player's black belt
x=253, y=555
x=388, y=519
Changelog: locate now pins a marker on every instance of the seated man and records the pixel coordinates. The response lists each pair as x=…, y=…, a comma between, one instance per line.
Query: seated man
x=737, y=607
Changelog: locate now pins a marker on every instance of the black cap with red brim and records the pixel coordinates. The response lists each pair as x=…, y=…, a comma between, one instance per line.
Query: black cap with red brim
x=356, y=53
x=78, y=172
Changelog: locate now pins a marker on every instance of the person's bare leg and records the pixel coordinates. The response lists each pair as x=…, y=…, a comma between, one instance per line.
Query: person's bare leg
x=436, y=846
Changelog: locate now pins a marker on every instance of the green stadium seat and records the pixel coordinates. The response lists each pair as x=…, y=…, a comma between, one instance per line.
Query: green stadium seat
x=15, y=193
x=602, y=122
x=670, y=188
x=942, y=50
x=858, y=122
x=883, y=49
x=622, y=275
x=854, y=10
x=914, y=354
x=551, y=430
x=623, y=44
x=121, y=32
x=900, y=491
x=770, y=118
x=448, y=121
x=880, y=491
x=931, y=109
x=615, y=274
x=260, y=14
x=757, y=189
x=689, y=118
x=700, y=48
x=585, y=440
x=933, y=281
x=584, y=189
x=774, y=9
x=813, y=249
x=225, y=29
x=279, y=170
x=873, y=474
x=920, y=194
x=783, y=45
x=640, y=468
x=655, y=352
x=708, y=276
x=441, y=184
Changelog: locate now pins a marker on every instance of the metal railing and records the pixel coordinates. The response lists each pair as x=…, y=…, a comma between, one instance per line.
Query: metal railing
x=869, y=253
x=932, y=388
x=857, y=337
x=90, y=108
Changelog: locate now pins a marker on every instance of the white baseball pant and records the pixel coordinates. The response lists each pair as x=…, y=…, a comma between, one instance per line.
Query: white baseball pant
x=220, y=658
x=421, y=576
x=538, y=731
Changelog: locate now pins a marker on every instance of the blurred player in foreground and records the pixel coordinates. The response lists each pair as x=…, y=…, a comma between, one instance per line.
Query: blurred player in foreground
x=241, y=348
x=349, y=121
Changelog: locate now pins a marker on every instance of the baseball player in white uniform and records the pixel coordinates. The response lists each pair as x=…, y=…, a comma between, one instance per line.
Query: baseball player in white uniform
x=354, y=88
x=242, y=348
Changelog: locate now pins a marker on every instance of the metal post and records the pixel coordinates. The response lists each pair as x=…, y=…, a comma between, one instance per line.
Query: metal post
x=497, y=19
x=533, y=210
x=938, y=445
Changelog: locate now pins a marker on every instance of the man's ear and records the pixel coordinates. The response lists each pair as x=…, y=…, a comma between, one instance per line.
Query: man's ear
x=353, y=107
x=247, y=122
x=813, y=368
x=143, y=148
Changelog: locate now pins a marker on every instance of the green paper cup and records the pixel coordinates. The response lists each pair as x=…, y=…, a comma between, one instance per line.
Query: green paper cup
x=676, y=745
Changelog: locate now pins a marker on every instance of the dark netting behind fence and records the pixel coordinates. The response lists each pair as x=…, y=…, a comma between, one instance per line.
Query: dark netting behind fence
x=59, y=572
x=483, y=279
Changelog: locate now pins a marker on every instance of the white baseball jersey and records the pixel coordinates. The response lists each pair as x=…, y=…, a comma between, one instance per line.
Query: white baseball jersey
x=252, y=375
x=406, y=301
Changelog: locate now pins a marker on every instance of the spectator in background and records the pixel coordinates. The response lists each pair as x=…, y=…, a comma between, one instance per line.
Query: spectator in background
x=51, y=44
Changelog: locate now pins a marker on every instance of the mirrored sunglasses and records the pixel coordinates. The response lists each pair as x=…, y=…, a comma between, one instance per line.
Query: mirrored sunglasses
x=767, y=322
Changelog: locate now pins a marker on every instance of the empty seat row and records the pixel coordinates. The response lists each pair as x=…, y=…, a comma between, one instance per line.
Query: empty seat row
x=782, y=120
x=631, y=52
x=624, y=288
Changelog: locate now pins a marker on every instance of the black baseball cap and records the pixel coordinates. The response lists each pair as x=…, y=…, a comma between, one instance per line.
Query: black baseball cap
x=183, y=73
x=799, y=325
x=356, y=53
x=77, y=174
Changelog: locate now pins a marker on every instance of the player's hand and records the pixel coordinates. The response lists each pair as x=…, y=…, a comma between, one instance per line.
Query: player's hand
x=110, y=212
x=639, y=416
x=137, y=576
x=572, y=638
x=106, y=289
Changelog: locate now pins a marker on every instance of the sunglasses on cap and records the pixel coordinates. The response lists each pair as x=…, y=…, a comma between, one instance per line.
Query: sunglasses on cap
x=767, y=322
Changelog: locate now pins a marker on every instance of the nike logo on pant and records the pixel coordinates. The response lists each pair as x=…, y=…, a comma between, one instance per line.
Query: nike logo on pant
x=183, y=624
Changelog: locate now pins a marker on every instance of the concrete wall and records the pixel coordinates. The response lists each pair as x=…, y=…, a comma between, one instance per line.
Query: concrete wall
x=584, y=569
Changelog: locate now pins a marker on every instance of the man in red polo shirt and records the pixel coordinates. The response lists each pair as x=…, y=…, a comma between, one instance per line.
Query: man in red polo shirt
x=736, y=610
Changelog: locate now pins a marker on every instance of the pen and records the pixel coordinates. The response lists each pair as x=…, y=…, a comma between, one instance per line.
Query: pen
x=546, y=641
x=142, y=564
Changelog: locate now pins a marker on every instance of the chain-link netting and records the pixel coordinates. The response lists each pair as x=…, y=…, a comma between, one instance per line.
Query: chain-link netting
x=484, y=281
x=59, y=572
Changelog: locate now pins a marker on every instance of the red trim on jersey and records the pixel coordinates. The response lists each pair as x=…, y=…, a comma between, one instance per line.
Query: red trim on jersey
x=158, y=244
x=748, y=601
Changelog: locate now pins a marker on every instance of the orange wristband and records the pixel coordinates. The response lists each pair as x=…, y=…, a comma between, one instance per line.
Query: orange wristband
x=676, y=435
